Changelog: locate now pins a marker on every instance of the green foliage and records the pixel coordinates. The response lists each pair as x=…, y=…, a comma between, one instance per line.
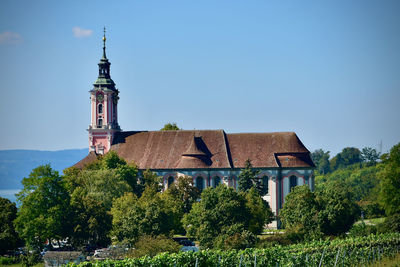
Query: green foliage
x=248, y=178
x=260, y=210
x=93, y=191
x=300, y=212
x=30, y=259
x=337, y=210
x=170, y=127
x=390, y=225
x=348, y=156
x=9, y=260
x=371, y=209
x=44, y=209
x=362, y=229
x=91, y=221
x=369, y=155
x=321, y=161
x=151, y=246
x=179, y=198
x=390, y=182
x=346, y=252
x=9, y=239
x=133, y=217
x=224, y=214
x=328, y=212
x=150, y=179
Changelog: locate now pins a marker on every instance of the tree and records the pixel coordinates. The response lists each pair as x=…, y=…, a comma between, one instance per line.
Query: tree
x=102, y=186
x=321, y=160
x=390, y=181
x=151, y=246
x=348, y=156
x=185, y=190
x=150, y=179
x=134, y=217
x=223, y=217
x=170, y=127
x=324, y=164
x=330, y=211
x=300, y=212
x=369, y=155
x=91, y=221
x=93, y=191
x=248, y=179
x=337, y=210
x=179, y=198
x=260, y=211
x=9, y=239
x=44, y=212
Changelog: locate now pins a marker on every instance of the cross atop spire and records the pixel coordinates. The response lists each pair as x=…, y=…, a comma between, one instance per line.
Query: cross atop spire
x=104, y=43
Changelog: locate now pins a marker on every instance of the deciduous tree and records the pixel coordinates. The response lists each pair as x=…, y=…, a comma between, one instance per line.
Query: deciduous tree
x=9, y=239
x=170, y=127
x=44, y=212
x=390, y=181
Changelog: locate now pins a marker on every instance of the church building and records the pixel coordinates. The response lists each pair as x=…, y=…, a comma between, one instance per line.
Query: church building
x=210, y=157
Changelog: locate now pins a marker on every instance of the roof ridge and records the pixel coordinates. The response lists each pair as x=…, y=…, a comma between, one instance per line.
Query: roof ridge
x=228, y=154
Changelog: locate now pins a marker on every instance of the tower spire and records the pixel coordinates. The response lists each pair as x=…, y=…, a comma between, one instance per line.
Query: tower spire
x=104, y=43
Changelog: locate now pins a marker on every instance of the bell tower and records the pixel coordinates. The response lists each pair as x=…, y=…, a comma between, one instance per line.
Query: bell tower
x=104, y=102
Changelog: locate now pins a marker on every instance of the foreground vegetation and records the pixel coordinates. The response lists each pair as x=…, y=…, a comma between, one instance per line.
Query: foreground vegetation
x=345, y=252
x=111, y=202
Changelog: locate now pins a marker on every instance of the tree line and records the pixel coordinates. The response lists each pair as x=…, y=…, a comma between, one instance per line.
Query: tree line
x=111, y=201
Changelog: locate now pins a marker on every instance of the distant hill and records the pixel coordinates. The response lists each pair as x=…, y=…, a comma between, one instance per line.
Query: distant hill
x=17, y=164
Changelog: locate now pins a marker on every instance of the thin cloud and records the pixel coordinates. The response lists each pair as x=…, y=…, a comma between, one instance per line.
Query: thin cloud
x=10, y=38
x=80, y=32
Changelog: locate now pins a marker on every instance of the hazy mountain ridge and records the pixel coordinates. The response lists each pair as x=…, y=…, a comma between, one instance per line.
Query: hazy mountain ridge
x=17, y=164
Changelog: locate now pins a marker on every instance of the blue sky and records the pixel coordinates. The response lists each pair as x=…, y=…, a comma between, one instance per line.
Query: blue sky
x=328, y=70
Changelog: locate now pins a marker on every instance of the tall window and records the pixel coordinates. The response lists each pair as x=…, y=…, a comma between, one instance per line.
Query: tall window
x=264, y=183
x=200, y=183
x=292, y=182
x=100, y=109
x=217, y=181
x=100, y=122
x=170, y=181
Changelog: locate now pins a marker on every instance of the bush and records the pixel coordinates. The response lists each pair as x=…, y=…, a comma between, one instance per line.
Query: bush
x=151, y=246
x=362, y=229
x=9, y=260
x=390, y=225
x=372, y=210
x=243, y=240
x=30, y=259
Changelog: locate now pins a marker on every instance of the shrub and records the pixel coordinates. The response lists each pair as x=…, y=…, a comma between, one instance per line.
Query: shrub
x=9, y=260
x=150, y=246
x=243, y=240
x=362, y=229
x=30, y=259
x=390, y=225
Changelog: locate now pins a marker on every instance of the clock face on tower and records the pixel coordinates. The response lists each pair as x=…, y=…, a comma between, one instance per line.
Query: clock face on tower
x=100, y=97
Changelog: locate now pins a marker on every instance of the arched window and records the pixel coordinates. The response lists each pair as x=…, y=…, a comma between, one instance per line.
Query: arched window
x=264, y=183
x=100, y=122
x=170, y=181
x=200, y=183
x=217, y=181
x=292, y=182
x=100, y=108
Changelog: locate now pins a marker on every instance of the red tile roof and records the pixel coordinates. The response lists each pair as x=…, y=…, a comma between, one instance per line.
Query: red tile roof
x=192, y=149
